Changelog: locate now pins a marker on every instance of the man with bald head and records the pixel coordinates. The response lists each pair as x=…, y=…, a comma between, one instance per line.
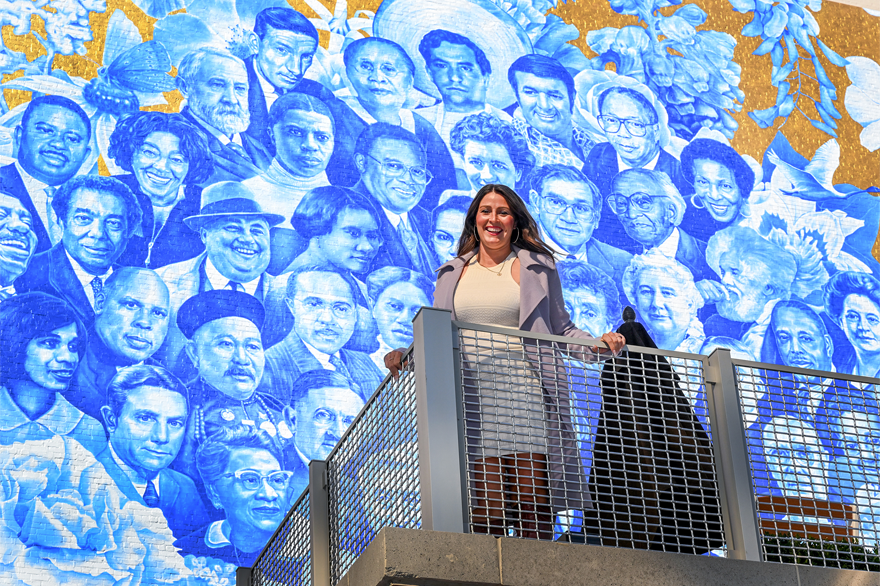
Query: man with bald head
x=215, y=85
x=131, y=322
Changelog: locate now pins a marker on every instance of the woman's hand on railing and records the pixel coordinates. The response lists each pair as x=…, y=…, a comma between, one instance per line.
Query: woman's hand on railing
x=394, y=363
x=613, y=340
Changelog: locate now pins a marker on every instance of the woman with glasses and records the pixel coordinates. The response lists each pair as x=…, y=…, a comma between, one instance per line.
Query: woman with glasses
x=245, y=482
x=526, y=453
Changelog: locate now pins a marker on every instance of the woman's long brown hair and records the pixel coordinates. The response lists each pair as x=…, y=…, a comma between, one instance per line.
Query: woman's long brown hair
x=529, y=236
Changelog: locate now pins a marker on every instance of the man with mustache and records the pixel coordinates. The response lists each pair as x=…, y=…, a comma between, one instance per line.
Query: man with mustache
x=145, y=414
x=394, y=174
x=97, y=216
x=17, y=242
x=225, y=346
x=321, y=301
x=215, y=85
x=130, y=327
x=651, y=208
x=51, y=144
x=235, y=230
x=323, y=406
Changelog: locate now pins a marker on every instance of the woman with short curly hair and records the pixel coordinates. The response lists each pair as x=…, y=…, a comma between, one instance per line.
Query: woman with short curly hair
x=491, y=152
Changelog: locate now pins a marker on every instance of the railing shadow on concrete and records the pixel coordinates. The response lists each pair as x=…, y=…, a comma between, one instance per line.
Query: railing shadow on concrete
x=497, y=431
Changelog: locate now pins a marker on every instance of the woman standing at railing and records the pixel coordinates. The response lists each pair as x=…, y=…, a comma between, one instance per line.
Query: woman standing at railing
x=505, y=275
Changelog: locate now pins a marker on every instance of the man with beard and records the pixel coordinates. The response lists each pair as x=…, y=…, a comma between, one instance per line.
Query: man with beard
x=17, y=242
x=235, y=230
x=755, y=274
x=130, y=326
x=51, y=143
x=97, y=216
x=225, y=346
x=321, y=301
x=215, y=85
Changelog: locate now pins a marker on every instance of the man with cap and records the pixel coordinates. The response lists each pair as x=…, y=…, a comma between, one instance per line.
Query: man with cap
x=235, y=230
x=223, y=329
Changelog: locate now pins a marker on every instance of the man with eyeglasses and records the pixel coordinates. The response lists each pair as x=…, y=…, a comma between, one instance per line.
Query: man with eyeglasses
x=632, y=126
x=393, y=171
x=325, y=316
x=245, y=482
x=651, y=208
x=145, y=414
x=568, y=206
x=323, y=405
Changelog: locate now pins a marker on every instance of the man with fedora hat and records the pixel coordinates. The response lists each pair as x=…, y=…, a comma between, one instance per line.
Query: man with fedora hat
x=223, y=329
x=235, y=230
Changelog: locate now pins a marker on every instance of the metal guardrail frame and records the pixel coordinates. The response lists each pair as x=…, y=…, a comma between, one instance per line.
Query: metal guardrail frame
x=319, y=522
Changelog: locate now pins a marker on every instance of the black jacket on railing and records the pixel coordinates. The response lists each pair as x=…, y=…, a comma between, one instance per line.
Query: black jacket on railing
x=652, y=460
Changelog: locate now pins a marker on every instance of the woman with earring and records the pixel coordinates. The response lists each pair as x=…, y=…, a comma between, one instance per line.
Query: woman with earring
x=525, y=457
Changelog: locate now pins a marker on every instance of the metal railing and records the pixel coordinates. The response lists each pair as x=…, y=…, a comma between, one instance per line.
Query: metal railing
x=493, y=430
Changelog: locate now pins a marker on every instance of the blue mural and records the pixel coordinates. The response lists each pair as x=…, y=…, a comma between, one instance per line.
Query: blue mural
x=197, y=298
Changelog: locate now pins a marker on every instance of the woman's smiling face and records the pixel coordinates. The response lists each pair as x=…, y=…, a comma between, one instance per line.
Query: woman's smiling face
x=495, y=221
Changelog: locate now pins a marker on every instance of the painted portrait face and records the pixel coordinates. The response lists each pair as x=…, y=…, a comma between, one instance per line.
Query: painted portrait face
x=446, y=233
x=18, y=241
x=795, y=458
x=303, y=142
x=858, y=435
x=662, y=304
x=252, y=503
x=53, y=144
x=96, y=229
x=545, y=104
x=148, y=433
x=861, y=323
x=489, y=162
x=649, y=213
x=716, y=186
x=228, y=353
x=133, y=319
x=388, y=173
x=218, y=94
x=623, y=120
x=238, y=247
x=324, y=311
x=588, y=311
x=394, y=311
x=284, y=57
x=567, y=213
x=353, y=242
x=160, y=167
x=747, y=281
x=380, y=76
x=50, y=361
x=800, y=341
x=322, y=416
x=454, y=70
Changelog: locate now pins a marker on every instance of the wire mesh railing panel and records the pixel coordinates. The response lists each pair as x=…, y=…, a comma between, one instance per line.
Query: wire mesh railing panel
x=814, y=452
x=616, y=452
x=287, y=558
x=373, y=473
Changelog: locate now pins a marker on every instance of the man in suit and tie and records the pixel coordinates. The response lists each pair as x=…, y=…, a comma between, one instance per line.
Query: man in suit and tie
x=235, y=230
x=391, y=162
x=651, y=208
x=17, y=242
x=325, y=315
x=322, y=407
x=215, y=85
x=145, y=416
x=51, y=143
x=97, y=216
x=130, y=327
x=568, y=206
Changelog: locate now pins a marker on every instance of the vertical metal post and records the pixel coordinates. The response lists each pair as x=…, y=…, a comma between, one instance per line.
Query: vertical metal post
x=440, y=468
x=732, y=459
x=319, y=522
x=244, y=576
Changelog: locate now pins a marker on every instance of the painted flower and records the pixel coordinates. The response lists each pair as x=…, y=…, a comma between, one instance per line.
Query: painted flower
x=862, y=101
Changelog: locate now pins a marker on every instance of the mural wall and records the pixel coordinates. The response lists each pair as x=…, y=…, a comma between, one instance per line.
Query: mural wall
x=216, y=217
